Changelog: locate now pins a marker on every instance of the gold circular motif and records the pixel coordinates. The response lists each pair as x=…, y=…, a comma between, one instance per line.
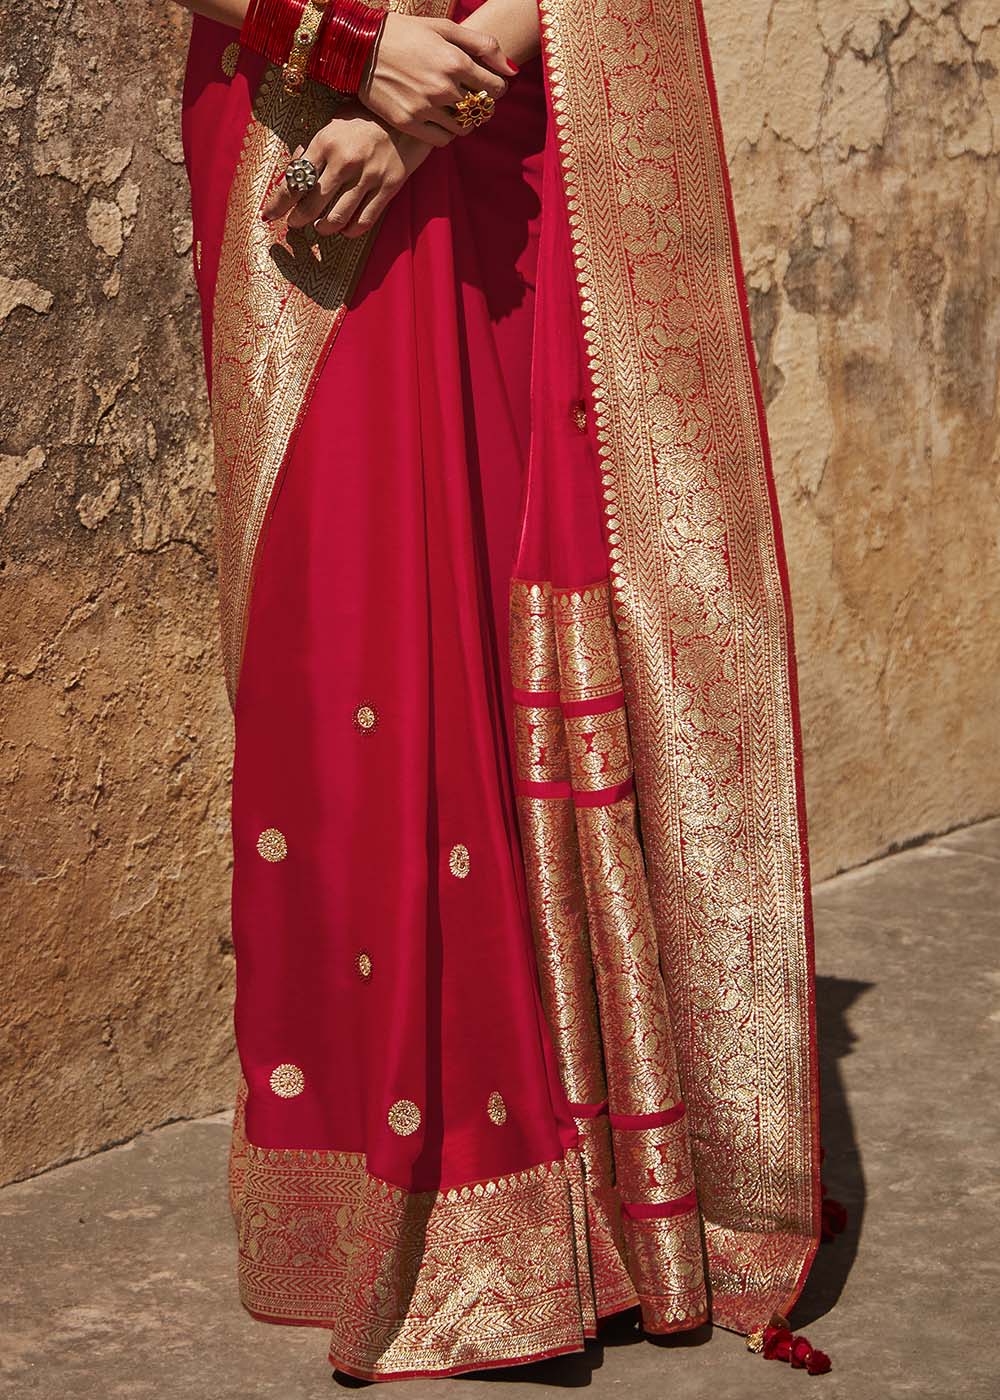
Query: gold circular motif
x=365, y=718
x=287, y=1081
x=496, y=1108
x=364, y=965
x=458, y=861
x=404, y=1117
x=272, y=845
x=230, y=58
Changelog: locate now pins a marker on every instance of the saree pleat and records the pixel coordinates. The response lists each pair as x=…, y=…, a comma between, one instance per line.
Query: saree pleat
x=521, y=902
x=601, y=982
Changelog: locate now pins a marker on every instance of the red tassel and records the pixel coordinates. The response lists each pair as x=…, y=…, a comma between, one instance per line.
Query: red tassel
x=834, y=1218
x=777, y=1342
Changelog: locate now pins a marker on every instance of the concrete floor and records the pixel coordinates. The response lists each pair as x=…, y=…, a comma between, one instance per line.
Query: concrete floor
x=117, y=1278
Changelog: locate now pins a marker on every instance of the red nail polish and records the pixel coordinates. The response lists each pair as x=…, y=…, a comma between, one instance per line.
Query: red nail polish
x=516, y=66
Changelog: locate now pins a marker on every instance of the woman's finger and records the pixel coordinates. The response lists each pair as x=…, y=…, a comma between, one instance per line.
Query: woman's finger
x=444, y=119
x=342, y=210
x=311, y=205
x=282, y=200
x=474, y=78
x=368, y=212
x=486, y=50
x=433, y=134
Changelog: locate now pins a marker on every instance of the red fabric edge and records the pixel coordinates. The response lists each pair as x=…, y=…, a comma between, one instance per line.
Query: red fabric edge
x=793, y=686
x=649, y=1120
x=462, y=1368
x=660, y=1210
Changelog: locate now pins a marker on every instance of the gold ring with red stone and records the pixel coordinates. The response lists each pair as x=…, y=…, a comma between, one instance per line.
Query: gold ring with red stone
x=474, y=109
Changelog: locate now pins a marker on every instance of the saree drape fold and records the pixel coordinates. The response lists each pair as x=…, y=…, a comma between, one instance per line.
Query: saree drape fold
x=521, y=896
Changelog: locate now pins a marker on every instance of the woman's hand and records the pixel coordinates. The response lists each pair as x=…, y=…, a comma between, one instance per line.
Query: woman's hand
x=361, y=167
x=424, y=66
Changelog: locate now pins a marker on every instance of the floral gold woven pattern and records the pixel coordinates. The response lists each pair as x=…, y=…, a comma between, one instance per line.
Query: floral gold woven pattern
x=701, y=617
x=413, y=1282
x=597, y=950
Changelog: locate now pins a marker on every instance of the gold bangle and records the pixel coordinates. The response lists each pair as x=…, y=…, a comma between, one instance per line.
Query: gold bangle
x=294, y=72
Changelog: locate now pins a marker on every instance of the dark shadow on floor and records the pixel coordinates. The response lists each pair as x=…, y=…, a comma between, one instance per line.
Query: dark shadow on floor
x=843, y=1171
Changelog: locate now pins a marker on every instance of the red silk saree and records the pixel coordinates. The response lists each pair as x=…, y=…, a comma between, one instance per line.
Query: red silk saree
x=521, y=897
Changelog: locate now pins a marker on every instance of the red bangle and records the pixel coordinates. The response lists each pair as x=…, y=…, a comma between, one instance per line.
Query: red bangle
x=346, y=44
x=269, y=25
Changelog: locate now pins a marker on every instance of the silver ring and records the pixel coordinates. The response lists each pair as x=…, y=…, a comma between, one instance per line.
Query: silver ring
x=301, y=176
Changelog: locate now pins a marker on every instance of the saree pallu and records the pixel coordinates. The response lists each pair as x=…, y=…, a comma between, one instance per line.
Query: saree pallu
x=521, y=899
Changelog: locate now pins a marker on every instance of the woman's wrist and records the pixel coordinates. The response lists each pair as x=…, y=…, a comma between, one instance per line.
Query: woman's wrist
x=331, y=41
x=514, y=23
x=347, y=45
x=269, y=27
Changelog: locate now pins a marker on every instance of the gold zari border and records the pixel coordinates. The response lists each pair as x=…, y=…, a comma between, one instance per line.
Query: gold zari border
x=489, y=1273
x=701, y=620
x=280, y=298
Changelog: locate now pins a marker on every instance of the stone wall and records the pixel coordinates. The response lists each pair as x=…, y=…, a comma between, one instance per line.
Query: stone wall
x=861, y=139
x=115, y=726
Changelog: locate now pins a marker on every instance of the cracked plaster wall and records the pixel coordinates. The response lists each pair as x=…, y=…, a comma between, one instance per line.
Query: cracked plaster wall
x=115, y=730
x=862, y=141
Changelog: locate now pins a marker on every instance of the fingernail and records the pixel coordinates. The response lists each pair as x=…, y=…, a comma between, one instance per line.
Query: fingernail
x=516, y=67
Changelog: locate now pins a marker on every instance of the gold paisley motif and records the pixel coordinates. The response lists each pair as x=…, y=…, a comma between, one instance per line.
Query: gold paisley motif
x=230, y=58
x=458, y=861
x=496, y=1109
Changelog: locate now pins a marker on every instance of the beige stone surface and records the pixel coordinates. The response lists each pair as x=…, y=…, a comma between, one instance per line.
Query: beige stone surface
x=115, y=732
x=862, y=137
x=863, y=143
